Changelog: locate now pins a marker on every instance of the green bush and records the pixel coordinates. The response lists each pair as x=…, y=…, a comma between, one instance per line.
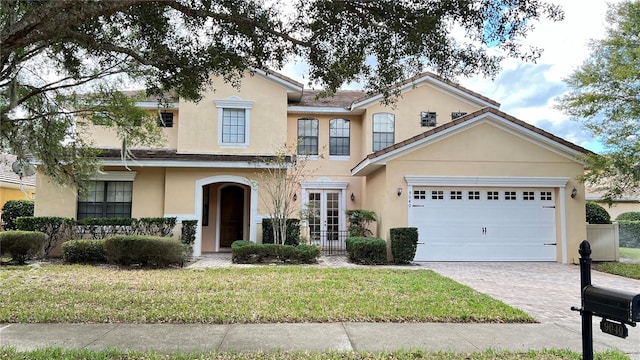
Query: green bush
x=58, y=229
x=83, y=251
x=293, y=232
x=22, y=245
x=12, y=210
x=363, y=250
x=246, y=252
x=359, y=221
x=629, y=216
x=404, y=242
x=153, y=251
x=596, y=214
x=155, y=226
x=629, y=232
x=102, y=228
x=188, y=232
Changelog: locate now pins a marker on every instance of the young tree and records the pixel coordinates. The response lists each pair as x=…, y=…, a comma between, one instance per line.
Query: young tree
x=605, y=95
x=279, y=178
x=54, y=51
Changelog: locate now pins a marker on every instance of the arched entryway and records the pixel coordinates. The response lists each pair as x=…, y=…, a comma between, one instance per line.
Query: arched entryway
x=227, y=208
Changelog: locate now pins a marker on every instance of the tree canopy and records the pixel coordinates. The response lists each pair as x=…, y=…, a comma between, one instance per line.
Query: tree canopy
x=605, y=96
x=64, y=58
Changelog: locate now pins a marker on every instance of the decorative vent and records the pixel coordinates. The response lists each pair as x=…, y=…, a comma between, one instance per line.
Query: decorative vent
x=455, y=115
x=427, y=118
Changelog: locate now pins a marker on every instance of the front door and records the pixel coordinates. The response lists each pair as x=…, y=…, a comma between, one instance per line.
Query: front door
x=324, y=215
x=231, y=215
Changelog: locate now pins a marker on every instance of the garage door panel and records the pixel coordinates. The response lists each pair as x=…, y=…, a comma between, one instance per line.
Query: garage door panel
x=497, y=225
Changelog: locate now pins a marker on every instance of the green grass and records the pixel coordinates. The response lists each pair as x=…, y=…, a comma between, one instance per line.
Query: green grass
x=630, y=253
x=88, y=294
x=56, y=353
x=630, y=270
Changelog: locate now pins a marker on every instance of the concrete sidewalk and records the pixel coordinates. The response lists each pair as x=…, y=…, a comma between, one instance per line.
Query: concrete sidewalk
x=435, y=337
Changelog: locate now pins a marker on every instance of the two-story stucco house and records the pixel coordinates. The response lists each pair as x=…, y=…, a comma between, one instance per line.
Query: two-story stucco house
x=478, y=184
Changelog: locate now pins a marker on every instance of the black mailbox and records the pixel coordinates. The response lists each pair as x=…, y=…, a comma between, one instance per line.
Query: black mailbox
x=612, y=304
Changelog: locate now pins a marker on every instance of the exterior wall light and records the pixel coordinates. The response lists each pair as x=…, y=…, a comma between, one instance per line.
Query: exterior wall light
x=353, y=197
x=295, y=197
x=399, y=191
x=574, y=193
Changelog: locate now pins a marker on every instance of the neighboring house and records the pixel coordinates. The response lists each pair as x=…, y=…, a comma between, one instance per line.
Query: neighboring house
x=478, y=184
x=626, y=203
x=12, y=187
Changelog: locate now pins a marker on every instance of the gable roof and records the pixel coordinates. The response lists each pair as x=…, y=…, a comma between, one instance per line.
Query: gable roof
x=378, y=159
x=431, y=78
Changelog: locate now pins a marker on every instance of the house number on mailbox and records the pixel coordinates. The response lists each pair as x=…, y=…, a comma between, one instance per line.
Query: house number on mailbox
x=615, y=329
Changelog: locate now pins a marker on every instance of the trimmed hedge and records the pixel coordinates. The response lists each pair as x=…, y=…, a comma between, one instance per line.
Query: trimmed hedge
x=629, y=232
x=596, y=214
x=293, y=232
x=58, y=229
x=246, y=252
x=363, y=250
x=629, y=216
x=152, y=251
x=188, y=231
x=83, y=251
x=22, y=245
x=404, y=242
x=13, y=209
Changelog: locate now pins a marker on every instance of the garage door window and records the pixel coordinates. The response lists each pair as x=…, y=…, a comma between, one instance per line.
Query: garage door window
x=510, y=195
x=437, y=195
x=493, y=195
x=528, y=195
x=545, y=195
x=420, y=194
x=456, y=195
x=474, y=195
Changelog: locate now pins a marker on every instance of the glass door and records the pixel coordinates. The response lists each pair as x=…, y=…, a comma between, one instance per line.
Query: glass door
x=323, y=214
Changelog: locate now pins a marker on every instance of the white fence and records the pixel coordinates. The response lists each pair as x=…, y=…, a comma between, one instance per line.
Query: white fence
x=604, y=241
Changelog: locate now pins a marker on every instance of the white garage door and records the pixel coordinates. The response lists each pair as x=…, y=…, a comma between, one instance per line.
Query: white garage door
x=484, y=224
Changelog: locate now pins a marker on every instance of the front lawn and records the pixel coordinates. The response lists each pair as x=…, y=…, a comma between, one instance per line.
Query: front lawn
x=630, y=270
x=630, y=253
x=84, y=354
x=88, y=294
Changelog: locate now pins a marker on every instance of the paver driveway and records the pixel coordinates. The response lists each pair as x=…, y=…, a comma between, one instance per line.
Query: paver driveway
x=544, y=290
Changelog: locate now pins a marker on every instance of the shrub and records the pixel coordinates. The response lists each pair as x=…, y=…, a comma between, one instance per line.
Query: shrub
x=188, y=232
x=102, y=228
x=293, y=231
x=404, y=242
x=629, y=216
x=246, y=252
x=359, y=221
x=363, y=250
x=83, y=251
x=13, y=209
x=22, y=245
x=596, y=214
x=58, y=229
x=154, y=226
x=151, y=251
x=629, y=232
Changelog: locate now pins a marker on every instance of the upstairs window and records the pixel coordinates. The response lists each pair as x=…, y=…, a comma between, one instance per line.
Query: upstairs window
x=233, y=122
x=165, y=119
x=339, y=137
x=105, y=199
x=383, y=130
x=307, y=136
x=233, y=126
x=428, y=119
x=455, y=115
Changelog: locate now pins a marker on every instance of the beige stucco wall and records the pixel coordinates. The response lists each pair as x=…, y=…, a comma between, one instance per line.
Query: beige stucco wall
x=619, y=207
x=268, y=117
x=425, y=97
x=483, y=150
x=54, y=199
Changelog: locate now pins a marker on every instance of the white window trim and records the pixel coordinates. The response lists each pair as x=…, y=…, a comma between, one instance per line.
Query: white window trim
x=114, y=176
x=234, y=102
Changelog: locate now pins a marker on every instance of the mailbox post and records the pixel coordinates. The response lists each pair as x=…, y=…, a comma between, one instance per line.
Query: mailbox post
x=615, y=307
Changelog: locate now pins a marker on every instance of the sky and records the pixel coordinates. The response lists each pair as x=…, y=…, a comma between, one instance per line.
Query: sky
x=528, y=91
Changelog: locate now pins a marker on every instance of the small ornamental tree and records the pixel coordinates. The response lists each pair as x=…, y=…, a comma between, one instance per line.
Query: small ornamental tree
x=279, y=179
x=13, y=209
x=596, y=214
